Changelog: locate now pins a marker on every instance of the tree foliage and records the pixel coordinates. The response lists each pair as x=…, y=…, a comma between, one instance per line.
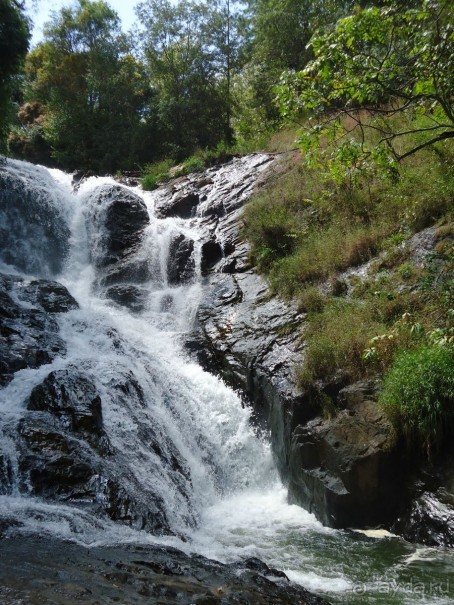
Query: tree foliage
x=377, y=64
x=92, y=90
x=14, y=41
x=192, y=49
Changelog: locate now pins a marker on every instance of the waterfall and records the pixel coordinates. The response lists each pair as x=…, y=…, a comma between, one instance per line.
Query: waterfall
x=116, y=435
x=178, y=438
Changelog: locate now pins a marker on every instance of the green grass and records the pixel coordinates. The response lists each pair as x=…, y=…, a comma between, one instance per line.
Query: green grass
x=155, y=174
x=306, y=228
x=418, y=395
x=160, y=172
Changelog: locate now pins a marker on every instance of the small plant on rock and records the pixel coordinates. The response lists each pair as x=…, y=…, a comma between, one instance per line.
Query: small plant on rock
x=418, y=395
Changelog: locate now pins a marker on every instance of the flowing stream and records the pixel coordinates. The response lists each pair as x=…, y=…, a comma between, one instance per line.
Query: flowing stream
x=229, y=502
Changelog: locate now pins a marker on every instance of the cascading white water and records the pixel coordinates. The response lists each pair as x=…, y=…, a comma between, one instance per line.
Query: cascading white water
x=225, y=497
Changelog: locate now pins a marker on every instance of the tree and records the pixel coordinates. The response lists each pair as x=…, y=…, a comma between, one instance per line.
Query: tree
x=281, y=31
x=229, y=33
x=92, y=90
x=191, y=49
x=381, y=68
x=14, y=41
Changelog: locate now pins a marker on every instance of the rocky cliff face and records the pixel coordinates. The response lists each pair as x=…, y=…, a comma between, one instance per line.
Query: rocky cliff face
x=348, y=470
x=336, y=469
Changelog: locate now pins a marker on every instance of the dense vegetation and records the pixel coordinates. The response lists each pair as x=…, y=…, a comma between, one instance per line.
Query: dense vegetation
x=192, y=75
x=367, y=89
x=375, y=108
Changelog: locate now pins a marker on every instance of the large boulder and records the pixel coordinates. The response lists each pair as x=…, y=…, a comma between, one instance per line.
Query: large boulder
x=348, y=470
x=180, y=262
x=34, y=235
x=121, y=217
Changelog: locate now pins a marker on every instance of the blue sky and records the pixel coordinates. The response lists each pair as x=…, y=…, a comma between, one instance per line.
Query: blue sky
x=41, y=13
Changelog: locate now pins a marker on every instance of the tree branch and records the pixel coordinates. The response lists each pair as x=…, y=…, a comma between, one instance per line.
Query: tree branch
x=443, y=136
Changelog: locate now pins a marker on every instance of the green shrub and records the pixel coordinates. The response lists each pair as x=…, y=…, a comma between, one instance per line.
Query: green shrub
x=193, y=164
x=149, y=182
x=311, y=300
x=418, y=395
x=154, y=174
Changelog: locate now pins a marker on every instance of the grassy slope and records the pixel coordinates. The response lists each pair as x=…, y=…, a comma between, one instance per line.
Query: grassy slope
x=306, y=230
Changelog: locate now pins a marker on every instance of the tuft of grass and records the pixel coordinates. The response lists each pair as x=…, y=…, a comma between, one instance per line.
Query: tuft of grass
x=155, y=174
x=418, y=395
x=316, y=254
x=335, y=342
x=311, y=300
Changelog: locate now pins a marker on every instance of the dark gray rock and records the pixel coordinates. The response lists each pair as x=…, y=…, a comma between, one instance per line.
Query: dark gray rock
x=429, y=518
x=125, y=219
x=212, y=253
x=348, y=470
x=247, y=337
x=129, y=296
x=71, y=397
x=49, y=295
x=182, y=204
x=121, y=218
x=54, y=464
x=28, y=336
x=180, y=262
x=34, y=236
x=144, y=575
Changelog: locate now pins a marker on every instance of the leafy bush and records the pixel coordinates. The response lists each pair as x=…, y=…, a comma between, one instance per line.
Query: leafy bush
x=149, y=182
x=418, y=395
x=156, y=173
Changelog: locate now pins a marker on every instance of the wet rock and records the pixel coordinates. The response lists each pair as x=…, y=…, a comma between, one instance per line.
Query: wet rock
x=126, y=218
x=134, y=574
x=212, y=253
x=49, y=295
x=28, y=336
x=180, y=263
x=132, y=297
x=248, y=338
x=54, y=464
x=6, y=471
x=348, y=470
x=73, y=398
x=34, y=236
x=121, y=218
x=130, y=178
x=122, y=506
x=182, y=205
x=429, y=518
x=64, y=453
